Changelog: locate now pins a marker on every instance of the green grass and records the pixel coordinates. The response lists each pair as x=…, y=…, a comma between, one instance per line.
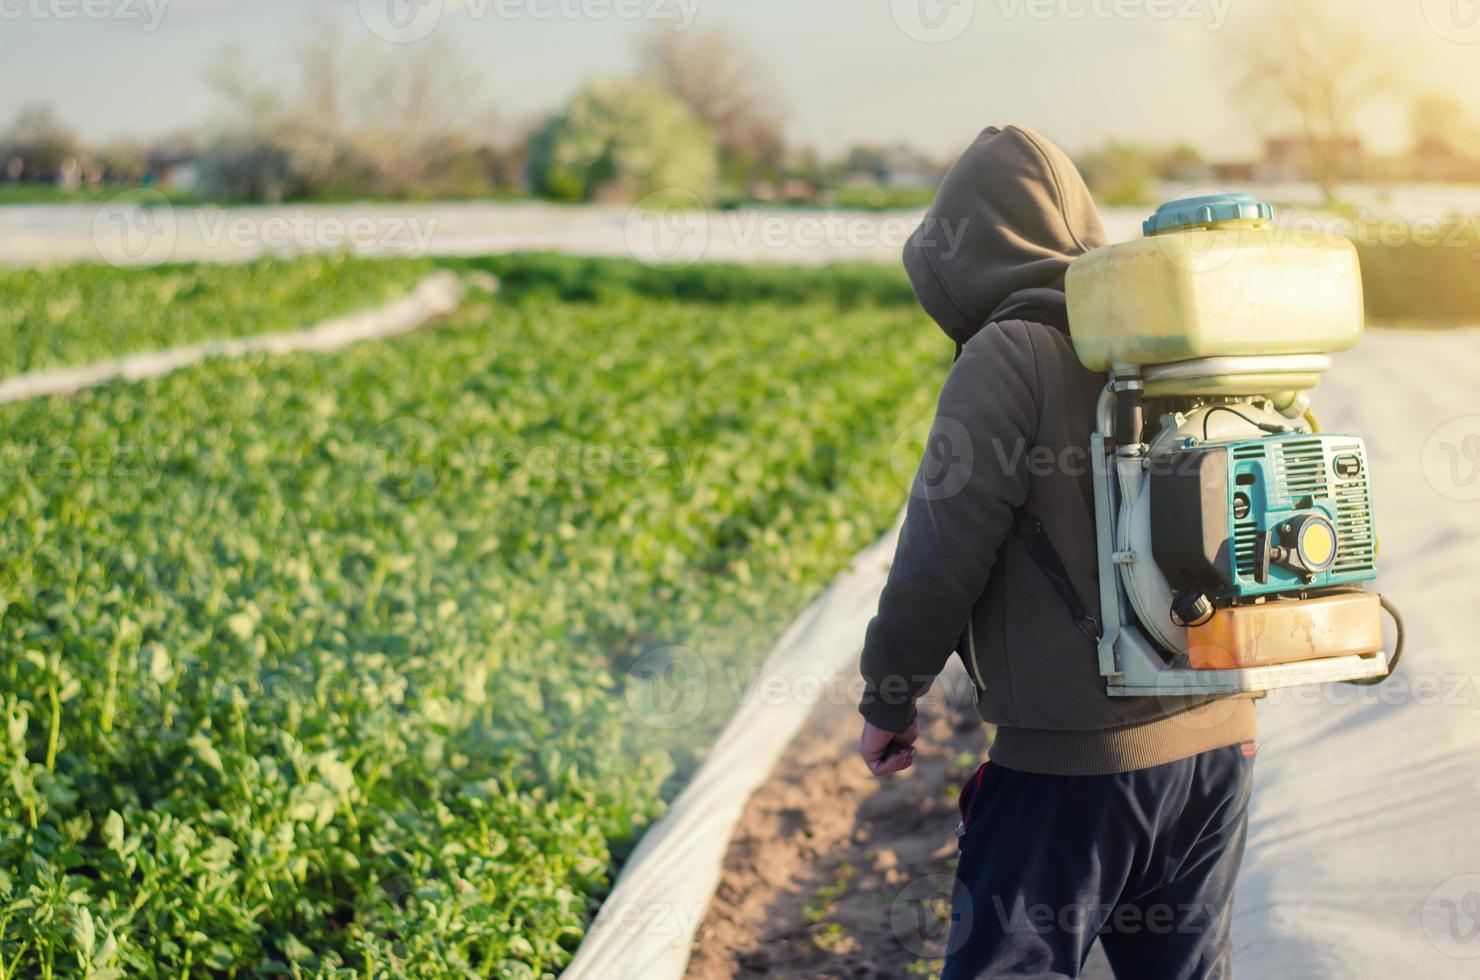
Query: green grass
x=76, y=314
x=50, y=194
x=335, y=665
x=578, y=279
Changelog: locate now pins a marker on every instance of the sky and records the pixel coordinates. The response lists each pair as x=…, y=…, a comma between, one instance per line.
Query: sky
x=926, y=72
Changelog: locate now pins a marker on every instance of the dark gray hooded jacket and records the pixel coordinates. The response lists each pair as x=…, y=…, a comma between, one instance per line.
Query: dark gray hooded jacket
x=1011, y=435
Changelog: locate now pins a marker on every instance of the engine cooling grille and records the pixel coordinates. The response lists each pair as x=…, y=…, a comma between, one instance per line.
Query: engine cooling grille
x=1356, y=545
x=1245, y=542
x=1301, y=468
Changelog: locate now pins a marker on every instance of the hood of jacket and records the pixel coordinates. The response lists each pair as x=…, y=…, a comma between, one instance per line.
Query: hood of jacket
x=1009, y=218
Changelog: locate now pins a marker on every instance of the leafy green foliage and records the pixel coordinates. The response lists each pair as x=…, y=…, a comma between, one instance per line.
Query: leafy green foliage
x=581, y=279
x=77, y=314
x=317, y=666
x=629, y=138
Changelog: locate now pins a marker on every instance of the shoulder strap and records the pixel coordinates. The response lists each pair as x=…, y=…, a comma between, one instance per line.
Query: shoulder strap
x=1029, y=530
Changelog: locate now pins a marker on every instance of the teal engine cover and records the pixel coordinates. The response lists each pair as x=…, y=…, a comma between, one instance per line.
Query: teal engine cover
x=1284, y=513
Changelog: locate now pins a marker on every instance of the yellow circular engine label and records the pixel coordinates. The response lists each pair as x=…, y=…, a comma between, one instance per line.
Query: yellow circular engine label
x=1318, y=544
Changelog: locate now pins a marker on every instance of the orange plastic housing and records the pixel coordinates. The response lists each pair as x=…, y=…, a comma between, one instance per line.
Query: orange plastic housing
x=1280, y=631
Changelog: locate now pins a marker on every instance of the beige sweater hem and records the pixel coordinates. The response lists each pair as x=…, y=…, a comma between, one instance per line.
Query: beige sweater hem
x=1213, y=725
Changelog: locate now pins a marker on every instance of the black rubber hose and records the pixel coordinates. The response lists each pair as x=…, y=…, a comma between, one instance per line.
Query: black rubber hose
x=1392, y=611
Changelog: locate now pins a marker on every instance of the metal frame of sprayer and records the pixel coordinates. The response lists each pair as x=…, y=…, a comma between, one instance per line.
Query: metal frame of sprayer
x=1132, y=662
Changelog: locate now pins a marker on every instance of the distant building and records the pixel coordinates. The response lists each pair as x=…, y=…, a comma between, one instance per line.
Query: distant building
x=173, y=168
x=797, y=191
x=69, y=175
x=1287, y=158
x=1437, y=160
x=1233, y=171
x=897, y=166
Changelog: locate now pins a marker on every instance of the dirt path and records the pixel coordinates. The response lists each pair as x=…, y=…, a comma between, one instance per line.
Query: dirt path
x=835, y=874
x=824, y=853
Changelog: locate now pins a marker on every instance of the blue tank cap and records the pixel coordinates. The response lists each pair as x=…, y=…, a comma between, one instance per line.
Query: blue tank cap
x=1212, y=208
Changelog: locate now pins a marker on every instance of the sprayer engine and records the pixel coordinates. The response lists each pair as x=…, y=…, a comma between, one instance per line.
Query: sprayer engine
x=1234, y=538
x=1280, y=514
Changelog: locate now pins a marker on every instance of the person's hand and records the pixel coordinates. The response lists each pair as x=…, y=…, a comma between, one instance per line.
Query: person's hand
x=886, y=752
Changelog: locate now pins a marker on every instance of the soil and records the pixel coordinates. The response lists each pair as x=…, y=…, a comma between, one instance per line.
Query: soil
x=833, y=873
x=824, y=849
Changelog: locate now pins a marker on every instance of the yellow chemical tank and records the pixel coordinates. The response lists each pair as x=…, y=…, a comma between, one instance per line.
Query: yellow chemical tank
x=1214, y=278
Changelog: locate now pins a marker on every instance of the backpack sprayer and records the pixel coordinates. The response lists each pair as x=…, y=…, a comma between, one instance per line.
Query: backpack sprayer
x=1233, y=535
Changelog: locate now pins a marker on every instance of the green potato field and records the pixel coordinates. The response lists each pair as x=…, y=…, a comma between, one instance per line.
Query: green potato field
x=71, y=315
x=321, y=665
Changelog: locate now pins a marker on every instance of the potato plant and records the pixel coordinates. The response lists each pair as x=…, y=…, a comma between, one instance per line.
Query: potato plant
x=323, y=666
x=71, y=315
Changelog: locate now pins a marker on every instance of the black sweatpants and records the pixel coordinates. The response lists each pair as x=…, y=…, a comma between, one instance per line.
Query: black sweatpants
x=1144, y=860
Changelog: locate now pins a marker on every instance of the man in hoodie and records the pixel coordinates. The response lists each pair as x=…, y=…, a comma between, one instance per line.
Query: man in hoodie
x=1122, y=818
